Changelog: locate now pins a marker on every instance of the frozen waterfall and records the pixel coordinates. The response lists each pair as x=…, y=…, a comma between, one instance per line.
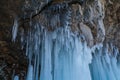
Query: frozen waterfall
x=64, y=55
x=59, y=53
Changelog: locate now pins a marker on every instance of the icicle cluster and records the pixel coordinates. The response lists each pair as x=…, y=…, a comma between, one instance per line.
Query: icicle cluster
x=105, y=65
x=57, y=55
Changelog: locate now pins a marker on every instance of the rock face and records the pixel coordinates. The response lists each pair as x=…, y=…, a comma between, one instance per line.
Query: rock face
x=91, y=15
x=97, y=20
x=10, y=53
x=112, y=22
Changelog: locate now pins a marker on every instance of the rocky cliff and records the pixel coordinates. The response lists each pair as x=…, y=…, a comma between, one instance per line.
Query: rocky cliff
x=97, y=20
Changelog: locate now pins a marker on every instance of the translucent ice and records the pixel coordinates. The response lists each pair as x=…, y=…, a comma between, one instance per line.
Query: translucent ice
x=16, y=78
x=14, y=30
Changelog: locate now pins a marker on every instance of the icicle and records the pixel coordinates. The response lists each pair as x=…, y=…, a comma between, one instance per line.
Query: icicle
x=16, y=78
x=15, y=30
x=22, y=38
x=30, y=73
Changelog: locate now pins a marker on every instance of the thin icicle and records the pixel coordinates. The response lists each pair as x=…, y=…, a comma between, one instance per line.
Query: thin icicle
x=15, y=30
x=30, y=73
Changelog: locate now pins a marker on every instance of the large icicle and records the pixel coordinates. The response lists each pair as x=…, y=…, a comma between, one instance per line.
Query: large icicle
x=15, y=30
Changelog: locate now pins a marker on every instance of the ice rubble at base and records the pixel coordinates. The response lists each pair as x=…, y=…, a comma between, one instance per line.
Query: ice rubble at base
x=63, y=55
